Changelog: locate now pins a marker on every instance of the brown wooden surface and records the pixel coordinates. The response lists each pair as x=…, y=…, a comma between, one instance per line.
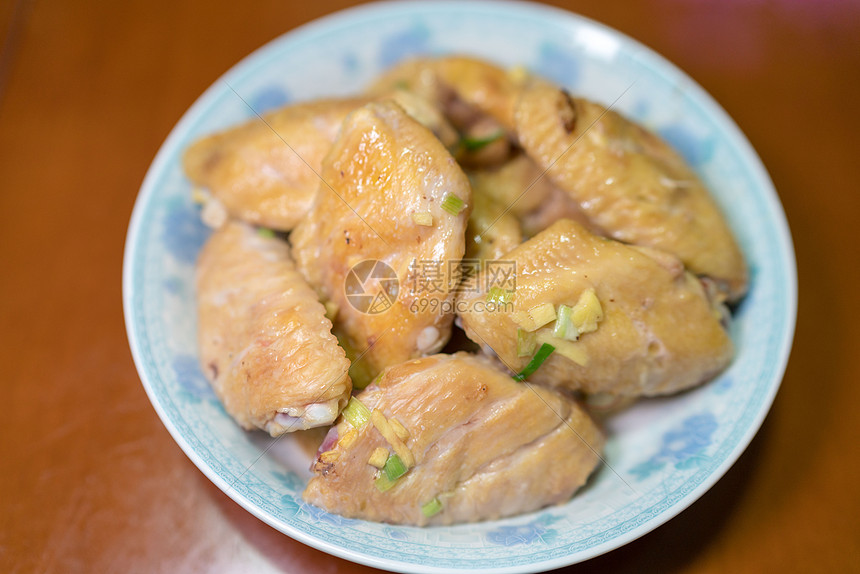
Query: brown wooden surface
x=92, y=482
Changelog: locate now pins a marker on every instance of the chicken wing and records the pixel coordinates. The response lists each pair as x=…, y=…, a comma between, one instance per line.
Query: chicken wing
x=265, y=171
x=457, y=81
x=517, y=184
x=474, y=444
x=492, y=231
x=623, y=320
x=628, y=182
x=392, y=211
x=265, y=343
x=527, y=193
x=476, y=96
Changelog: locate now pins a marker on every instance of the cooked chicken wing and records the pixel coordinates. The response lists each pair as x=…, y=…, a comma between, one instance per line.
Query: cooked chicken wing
x=623, y=320
x=556, y=205
x=426, y=113
x=518, y=184
x=480, y=84
x=628, y=182
x=527, y=192
x=265, y=344
x=460, y=84
x=492, y=231
x=393, y=195
x=476, y=96
x=265, y=171
x=474, y=445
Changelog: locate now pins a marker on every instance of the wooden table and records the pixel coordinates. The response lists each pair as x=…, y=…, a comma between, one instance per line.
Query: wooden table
x=92, y=482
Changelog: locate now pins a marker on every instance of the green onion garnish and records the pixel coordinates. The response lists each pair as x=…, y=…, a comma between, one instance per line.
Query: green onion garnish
x=432, y=508
x=394, y=467
x=500, y=296
x=383, y=483
x=356, y=413
x=265, y=232
x=545, y=351
x=390, y=473
x=452, y=204
x=564, y=327
x=477, y=143
x=526, y=343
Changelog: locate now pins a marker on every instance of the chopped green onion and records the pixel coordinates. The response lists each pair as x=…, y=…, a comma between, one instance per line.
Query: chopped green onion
x=390, y=473
x=564, y=327
x=432, y=508
x=452, y=204
x=356, y=413
x=477, y=143
x=394, y=467
x=500, y=296
x=526, y=343
x=265, y=232
x=383, y=483
x=545, y=351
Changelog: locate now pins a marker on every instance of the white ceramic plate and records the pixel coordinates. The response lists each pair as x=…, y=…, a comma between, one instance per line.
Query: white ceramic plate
x=663, y=454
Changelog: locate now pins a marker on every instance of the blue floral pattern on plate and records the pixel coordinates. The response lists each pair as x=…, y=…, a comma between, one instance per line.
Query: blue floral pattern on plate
x=191, y=379
x=680, y=445
x=558, y=65
x=696, y=435
x=410, y=42
x=536, y=532
x=269, y=98
x=696, y=150
x=183, y=233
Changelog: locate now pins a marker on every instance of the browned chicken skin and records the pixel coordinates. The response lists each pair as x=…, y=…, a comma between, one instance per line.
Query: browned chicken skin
x=484, y=446
x=386, y=179
x=658, y=332
x=265, y=171
x=628, y=182
x=265, y=344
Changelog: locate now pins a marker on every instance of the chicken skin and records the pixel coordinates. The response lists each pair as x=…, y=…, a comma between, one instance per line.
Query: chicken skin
x=474, y=445
x=623, y=320
x=393, y=210
x=492, y=231
x=477, y=97
x=265, y=171
x=455, y=82
x=265, y=343
x=628, y=182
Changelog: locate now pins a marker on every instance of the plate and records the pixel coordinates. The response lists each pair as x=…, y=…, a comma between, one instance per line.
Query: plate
x=662, y=455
